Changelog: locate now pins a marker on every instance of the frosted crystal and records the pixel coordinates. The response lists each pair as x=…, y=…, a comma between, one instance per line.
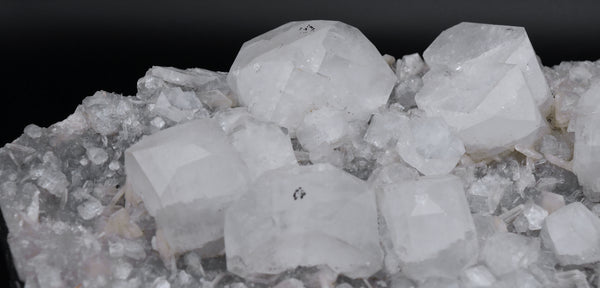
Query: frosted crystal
x=535, y=215
x=384, y=128
x=504, y=253
x=573, y=234
x=90, y=209
x=106, y=112
x=177, y=105
x=500, y=108
x=283, y=74
x=468, y=43
x=33, y=131
x=261, y=145
x=97, y=155
x=586, y=154
x=323, y=126
x=303, y=216
x=417, y=214
x=477, y=276
x=187, y=175
x=429, y=145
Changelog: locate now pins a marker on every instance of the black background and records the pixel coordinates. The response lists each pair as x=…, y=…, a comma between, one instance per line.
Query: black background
x=55, y=53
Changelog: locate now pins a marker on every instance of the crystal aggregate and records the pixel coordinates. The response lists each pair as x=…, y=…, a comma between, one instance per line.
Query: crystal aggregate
x=318, y=162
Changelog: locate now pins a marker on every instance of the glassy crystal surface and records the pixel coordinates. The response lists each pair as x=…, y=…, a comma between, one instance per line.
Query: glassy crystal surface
x=480, y=83
x=285, y=73
x=573, y=234
x=430, y=226
x=586, y=155
x=304, y=216
x=186, y=176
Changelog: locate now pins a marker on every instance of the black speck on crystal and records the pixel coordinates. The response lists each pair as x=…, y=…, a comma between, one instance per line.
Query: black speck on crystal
x=299, y=193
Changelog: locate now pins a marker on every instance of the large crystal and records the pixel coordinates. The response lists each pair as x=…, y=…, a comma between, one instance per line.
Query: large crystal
x=468, y=43
x=304, y=216
x=187, y=175
x=482, y=89
x=506, y=252
x=430, y=226
x=586, y=154
x=285, y=73
x=573, y=233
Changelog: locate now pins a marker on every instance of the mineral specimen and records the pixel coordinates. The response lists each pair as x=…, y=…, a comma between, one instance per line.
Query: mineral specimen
x=301, y=66
x=417, y=213
x=304, y=216
x=318, y=162
x=485, y=81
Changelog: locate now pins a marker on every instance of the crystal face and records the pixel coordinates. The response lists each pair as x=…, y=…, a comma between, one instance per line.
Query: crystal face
x=573, y=233
x=484, y=80
x=326, y=178
x=285, y=73
x=431, y=229
x=304, y=216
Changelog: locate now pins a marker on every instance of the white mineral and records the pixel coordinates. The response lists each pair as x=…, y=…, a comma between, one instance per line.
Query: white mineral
x=304, y=216
x=586, y=154
x=573, y=234
x=474, y=43
x=430, y=226
x=480, y=84
x=137, y=191
x=187, y=175
x=504, y=253
x=285, y=73
x=429, y=145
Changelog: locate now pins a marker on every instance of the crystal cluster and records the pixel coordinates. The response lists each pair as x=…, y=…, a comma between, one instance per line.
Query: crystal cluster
x=318, y=162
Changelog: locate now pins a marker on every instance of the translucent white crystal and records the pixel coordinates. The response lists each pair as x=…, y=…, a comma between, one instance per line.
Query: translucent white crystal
x=386, y=127
x=484, y=89
x=283, y=74
x=477, y=276
x=573, y=234
x=535, y=215
x=491, y=114
x=506, y=252
x=178, y=105
x=187, y=175
x=303, y=216
x=430, y=226
x=261, y=145
x=324, y=126
x=90, y=209
x=468, y=43
x=97, y=155
x=586, y=154
x=33, y=131
x=429, y=145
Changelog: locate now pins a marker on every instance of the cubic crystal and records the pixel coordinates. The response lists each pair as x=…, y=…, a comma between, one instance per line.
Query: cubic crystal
x=573, y=233
x=187, y=175
x=285, y=73
x=430, y=226
x=304, y=216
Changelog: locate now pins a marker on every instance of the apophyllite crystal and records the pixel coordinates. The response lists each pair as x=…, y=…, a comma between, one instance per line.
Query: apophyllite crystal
x=486, y=82
x=304, y=216
x=302, y=66
x=318, y=162
x=430, y=227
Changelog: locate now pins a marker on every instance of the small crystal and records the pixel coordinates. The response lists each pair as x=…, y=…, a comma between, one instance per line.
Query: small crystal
x=573, y=233
x=477, y=276
x=33, y=131
x=97, y=155
x=90, y=209
x=504, y=253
